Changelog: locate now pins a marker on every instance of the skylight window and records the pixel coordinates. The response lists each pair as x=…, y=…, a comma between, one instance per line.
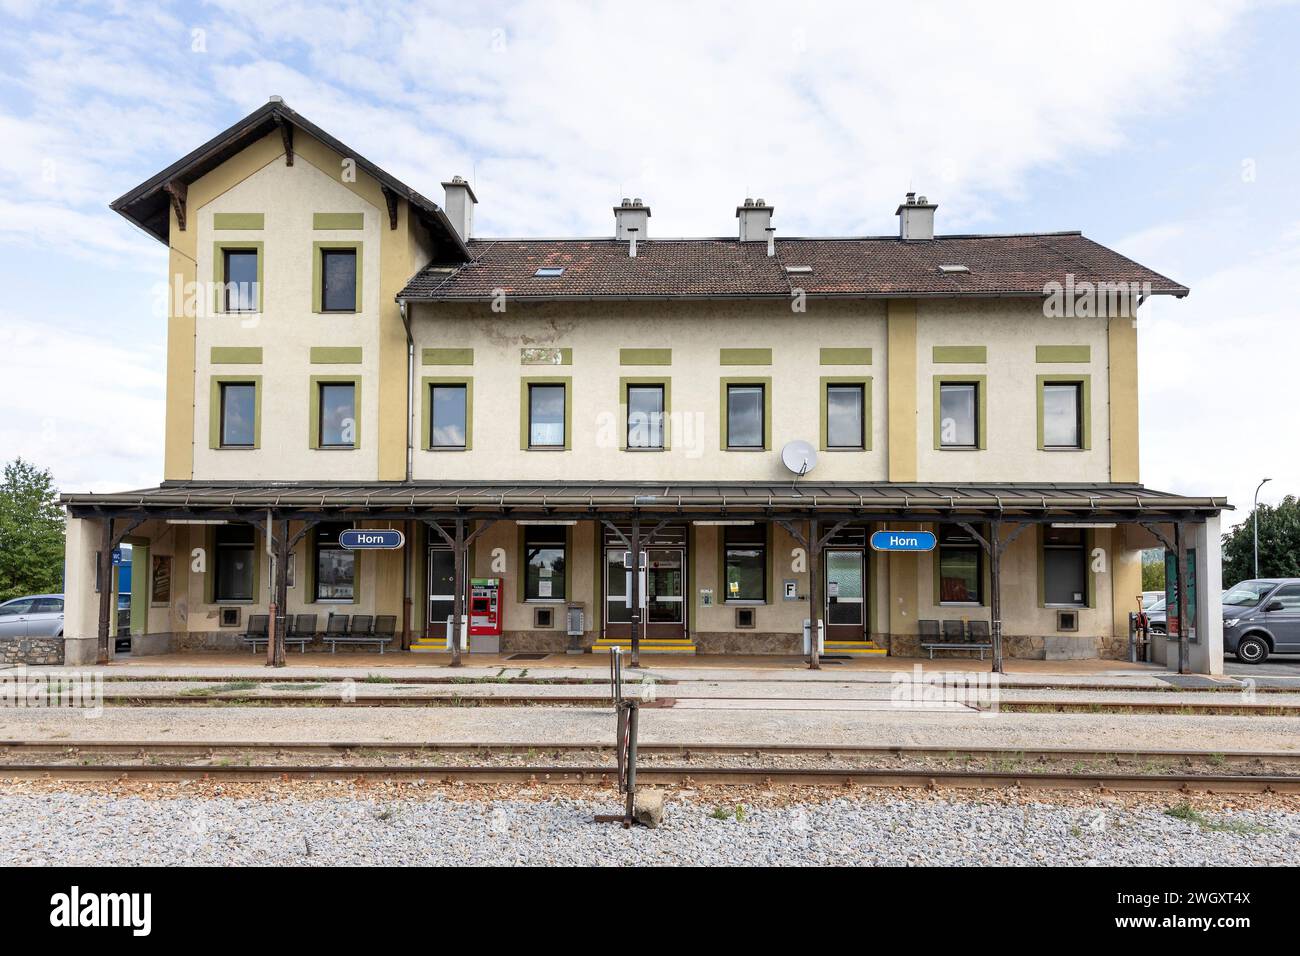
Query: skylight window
x=954, y=268
x=549, y=272
x=798, y=269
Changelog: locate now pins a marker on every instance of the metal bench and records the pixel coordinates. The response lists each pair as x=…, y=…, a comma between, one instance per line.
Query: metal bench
x=361, y=629
x=954, y=637
x=257, y=633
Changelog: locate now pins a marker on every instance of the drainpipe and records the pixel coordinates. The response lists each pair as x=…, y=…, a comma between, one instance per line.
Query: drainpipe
x=410, y=470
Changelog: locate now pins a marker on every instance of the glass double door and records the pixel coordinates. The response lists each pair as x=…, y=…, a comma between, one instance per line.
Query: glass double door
x=442, y=590
x=845, y=594
x=662, y=582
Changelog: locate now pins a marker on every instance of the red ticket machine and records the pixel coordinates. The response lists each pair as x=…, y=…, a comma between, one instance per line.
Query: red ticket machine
x=485, y=606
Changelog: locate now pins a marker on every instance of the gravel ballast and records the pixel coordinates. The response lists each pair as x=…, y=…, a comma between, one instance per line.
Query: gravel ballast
x=46, y=827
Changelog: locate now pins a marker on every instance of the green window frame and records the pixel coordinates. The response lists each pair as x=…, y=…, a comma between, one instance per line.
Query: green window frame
x=743, y=538
x=724, y=393
x=219, y=250
x=862, y=382
x=315, y=418
x=1057, y=539
x=525, y=412
x=427, y=385
x=318, y=274
x=955, y=542
x=666, y=386
x=981, y=411
x=1084, y=385
x=216, y=411
x=532, y=540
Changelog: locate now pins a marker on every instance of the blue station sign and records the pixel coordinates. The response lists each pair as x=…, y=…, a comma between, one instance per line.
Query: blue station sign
x=356, y=539
x=902, y=541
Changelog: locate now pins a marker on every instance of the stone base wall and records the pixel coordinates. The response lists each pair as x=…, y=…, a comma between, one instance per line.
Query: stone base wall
x=542, y=642
x=748, y=642
x=31, y=650
x=1052, y=647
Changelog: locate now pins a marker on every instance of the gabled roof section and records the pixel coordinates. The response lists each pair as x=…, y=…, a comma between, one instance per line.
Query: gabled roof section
x=868, y=267
x=147, y=205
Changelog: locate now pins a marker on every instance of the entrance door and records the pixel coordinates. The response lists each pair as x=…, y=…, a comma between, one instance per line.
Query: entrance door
x=846, y=602
x=442, y=590
x=662, y=584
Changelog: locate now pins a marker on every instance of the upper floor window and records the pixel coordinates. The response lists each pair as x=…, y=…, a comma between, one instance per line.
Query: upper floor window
x=338, y=277
x=845, y=417
x=338, y=415
x=448, y=415
x=239, y=280
x=645, y=416
x=1062, y=412
x=746, y=412
x=546, y=415
x=238, y=413
x=959, y=411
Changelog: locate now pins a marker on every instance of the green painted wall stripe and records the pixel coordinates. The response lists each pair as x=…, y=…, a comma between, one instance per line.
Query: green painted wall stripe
x=335, y=355
x=1063, y=353
x=960, y=354
x=645, y=356
x=846, y=356
x=745, y=356
x=236, y=355
x=338, y=220
x=238, y=220
x=446, y=356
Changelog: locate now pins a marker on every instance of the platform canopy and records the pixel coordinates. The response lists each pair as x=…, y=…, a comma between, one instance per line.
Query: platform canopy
x=865, y=501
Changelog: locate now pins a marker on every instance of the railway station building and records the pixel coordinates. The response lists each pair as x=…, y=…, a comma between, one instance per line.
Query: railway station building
x=690, y=444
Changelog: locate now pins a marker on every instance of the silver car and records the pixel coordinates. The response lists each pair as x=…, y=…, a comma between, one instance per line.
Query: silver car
x=37, y=615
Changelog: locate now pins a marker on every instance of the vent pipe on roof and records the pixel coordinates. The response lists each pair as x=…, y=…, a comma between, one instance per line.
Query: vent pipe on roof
x=631, y=246
x=915, y=218
x=631, y=214
x=459, y=205
x=755, y=217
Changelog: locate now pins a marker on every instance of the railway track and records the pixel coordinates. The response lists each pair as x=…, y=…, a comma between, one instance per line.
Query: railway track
x=1037, y=769
x=239, y=698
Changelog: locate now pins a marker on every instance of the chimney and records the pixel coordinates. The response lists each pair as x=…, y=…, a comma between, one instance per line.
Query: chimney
x=631, y=214
x=631, y=245
x=755, y=217
x=459, y=206
x=915, y=218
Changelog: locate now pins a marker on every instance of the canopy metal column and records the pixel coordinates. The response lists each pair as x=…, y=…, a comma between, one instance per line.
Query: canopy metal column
x=459, y=543
x=995, y=547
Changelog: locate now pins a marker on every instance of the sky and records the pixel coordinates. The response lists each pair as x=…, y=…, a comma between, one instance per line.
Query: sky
x=1165, y=130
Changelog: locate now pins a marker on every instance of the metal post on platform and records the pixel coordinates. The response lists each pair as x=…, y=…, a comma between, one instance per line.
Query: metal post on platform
x=1181, y=576
x=814, y=595
x=458, y=598
x=995, y=598
x=636, y=591
x=103, y=652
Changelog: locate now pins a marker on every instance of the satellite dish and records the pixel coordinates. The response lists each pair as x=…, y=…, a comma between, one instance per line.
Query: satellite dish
x=799, y=457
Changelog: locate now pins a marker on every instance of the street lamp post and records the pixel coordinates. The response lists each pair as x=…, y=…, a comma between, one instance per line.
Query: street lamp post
x=1254, y=521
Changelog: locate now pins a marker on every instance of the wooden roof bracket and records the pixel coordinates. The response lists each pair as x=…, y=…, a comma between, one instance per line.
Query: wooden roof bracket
x=178, y=191
x=390, y=198
x=286, y=137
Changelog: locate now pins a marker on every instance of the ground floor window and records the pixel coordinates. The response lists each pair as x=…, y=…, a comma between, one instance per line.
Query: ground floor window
x=335, y=565
x=233, y=565
x=1065, y=568
x=744, y=564
x=961, y=566
x=545, y=560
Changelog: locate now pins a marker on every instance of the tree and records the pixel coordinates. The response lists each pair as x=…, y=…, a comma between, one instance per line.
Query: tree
x=1279, y=544
x=1153, y=569
x=31, y=532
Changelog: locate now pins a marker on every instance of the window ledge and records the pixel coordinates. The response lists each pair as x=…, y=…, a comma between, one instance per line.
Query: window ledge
x=741, y=602
x=1065, y=448
x=642, y=449
x=729, y=448
x=442, y=448
x=337, y=448
x=545, y=600
x=959, y=448
x=545, y=448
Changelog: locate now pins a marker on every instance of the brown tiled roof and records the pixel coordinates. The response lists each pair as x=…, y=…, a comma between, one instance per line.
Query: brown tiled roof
x=709, y=268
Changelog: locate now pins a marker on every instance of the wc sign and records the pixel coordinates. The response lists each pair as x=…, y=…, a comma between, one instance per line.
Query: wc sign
x=356, y=539
x=902, y=541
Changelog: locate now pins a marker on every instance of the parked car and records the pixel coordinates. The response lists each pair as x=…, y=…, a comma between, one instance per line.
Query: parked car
x=1151, y=598
x=1157, y=617
x=37, y=615
x=1262, y=617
